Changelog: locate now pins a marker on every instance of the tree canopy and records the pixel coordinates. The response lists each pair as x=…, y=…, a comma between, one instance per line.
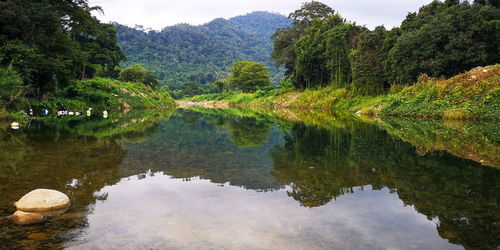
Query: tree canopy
x=442, y=39
x=249, y=76
x=202, y=53
x=53, y=42
x=137, y=73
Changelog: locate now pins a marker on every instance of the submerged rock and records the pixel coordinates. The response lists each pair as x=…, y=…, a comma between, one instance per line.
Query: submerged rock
x=38, y=236
x=43, y=200
x=24, y=218
x=53, y=212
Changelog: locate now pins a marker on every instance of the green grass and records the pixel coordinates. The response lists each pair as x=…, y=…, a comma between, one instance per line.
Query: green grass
x=98, y=93
x=474, y=95
x=105, y=93
x=110, y=93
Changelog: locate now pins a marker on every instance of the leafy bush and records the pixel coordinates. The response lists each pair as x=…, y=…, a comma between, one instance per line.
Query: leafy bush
x=138, y=74
x=110, y=93
x=10, y=84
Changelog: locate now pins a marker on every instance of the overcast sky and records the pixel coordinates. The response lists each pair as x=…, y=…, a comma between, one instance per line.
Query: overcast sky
x=160, y=13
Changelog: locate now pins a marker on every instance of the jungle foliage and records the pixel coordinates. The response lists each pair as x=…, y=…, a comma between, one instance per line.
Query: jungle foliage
x=204, y=53
x=50, y=49
x=51, y=43
x=442, y=39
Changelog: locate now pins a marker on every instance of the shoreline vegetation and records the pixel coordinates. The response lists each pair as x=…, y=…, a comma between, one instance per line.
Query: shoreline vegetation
x=329, y=62
x=433, y=66
x=99, y=94
x=57, y=56
x=474, y=95
x=476, y=141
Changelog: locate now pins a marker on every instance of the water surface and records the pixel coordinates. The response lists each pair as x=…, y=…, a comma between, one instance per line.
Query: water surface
x=255, y=179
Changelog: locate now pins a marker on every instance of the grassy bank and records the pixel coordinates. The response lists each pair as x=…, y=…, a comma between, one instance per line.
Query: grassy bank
x=97, y=93
x=472, y=95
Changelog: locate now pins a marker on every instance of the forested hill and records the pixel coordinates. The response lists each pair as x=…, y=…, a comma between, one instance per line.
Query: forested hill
x=202, y=53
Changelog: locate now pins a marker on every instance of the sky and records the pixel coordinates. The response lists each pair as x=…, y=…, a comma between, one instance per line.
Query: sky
x=158, y=14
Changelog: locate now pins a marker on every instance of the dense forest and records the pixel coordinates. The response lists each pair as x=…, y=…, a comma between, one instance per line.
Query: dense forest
x=441, y=39
x=439, y=63
x=204, y=53
x=50, y=43
x=48, y=49
x=318, y=47
x=44, y=55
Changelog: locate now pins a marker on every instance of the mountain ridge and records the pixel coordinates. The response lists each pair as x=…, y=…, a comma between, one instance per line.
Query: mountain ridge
x=202, y=53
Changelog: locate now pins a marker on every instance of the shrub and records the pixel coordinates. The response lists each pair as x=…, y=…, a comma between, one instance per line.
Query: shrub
x=10, y=84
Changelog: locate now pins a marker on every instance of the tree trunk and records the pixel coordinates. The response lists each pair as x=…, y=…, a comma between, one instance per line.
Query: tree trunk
x=83, y=73
x=40, y=93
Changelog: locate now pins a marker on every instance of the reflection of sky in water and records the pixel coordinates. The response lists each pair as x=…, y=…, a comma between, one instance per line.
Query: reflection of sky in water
x=164, y=212
x=270, y=172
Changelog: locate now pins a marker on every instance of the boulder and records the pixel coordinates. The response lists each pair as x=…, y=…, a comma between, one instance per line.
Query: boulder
x=42, y=200
x=24, y=218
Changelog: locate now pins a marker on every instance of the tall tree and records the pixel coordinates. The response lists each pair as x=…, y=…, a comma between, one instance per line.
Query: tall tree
x=322, y=54
x=368, y=62
x=284, y=39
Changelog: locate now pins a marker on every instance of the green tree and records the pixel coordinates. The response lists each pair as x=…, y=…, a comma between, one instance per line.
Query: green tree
x=284, y=39
x=137, y=73
x=219, y=86
x=183, y=52
x=53, y=42
x=190, y=89
x=10, y=85
x=100, y=50
x=323, y=54
x=445, y=39
x=249, y=76
x=367, y=62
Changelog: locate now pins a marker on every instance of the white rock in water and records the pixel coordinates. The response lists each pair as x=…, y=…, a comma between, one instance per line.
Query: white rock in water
x=23, y=218
x=40, y=200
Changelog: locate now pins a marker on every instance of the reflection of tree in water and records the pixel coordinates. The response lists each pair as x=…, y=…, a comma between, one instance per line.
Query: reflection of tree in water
x=322, y=164
x=12, y=151
x=191, y=118
x=248, y=131
x=206, y=149
x=59, y=154
x=296, y=162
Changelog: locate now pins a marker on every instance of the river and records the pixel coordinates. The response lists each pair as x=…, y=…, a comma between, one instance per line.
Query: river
x=254, y=179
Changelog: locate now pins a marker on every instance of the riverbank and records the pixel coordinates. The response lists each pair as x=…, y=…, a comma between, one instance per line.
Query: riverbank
x=474, y=95
x=98, y=94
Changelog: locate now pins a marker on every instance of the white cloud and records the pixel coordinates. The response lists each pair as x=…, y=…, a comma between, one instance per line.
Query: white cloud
x=158, y=13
